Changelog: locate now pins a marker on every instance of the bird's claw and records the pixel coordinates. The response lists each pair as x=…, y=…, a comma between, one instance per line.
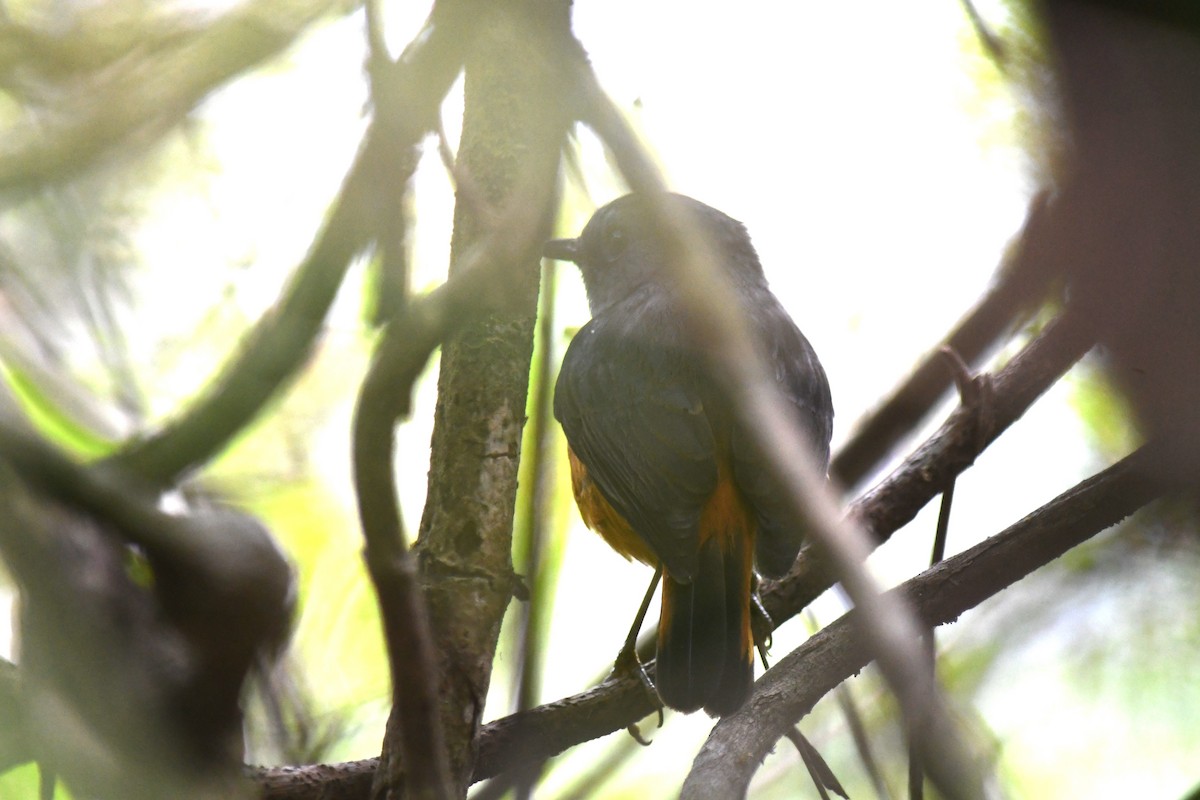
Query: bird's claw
x=628, y=663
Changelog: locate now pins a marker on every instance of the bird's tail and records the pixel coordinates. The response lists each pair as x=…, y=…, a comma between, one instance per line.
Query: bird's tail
x=705, y=646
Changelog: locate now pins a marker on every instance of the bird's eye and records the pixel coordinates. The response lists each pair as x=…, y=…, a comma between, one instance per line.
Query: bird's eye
x=616, y=239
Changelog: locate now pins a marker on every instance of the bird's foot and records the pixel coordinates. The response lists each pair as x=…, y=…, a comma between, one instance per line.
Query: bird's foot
x=628, y=663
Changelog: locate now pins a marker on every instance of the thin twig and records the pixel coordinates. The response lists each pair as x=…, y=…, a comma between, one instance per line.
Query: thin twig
x=854, y=722
x=818, y=771
x=862, y=744
x=971, y=392
x=916, y=774
x=1021, y=282
x=538, y=605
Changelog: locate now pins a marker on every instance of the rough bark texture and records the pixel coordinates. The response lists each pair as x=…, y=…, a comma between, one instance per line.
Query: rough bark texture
x=465, y=540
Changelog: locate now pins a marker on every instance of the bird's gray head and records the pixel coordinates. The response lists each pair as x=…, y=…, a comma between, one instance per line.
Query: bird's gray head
x=620, y=250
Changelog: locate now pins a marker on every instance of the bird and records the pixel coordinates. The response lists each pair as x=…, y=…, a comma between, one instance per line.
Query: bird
x=660, y=466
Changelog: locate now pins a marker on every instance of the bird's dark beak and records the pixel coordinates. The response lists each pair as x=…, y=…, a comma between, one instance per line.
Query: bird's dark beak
x=562, y=249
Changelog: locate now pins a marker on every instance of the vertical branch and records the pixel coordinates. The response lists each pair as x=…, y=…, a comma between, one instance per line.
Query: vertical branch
x=916, y=773
x=393, y=573
x=512, y=131
x=537, y=574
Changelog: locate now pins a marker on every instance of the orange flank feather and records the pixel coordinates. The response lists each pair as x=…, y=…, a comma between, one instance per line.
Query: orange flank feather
x=603, y=518
x=705, y=643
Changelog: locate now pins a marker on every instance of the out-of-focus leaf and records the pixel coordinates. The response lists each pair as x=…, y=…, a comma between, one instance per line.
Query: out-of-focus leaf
x=60, y=413
x=1105, y=412
x=22, y=784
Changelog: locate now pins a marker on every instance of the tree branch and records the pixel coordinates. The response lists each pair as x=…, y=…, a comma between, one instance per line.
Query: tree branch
x=386, y=395
x=1020, y=283
x=792, y=687
x=279, y=344
x=513, y=128
x=896, y=500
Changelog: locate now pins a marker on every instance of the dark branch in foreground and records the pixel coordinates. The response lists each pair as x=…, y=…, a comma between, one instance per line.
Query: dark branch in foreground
x=896, y=500
x=147, y=674
x=792, y=687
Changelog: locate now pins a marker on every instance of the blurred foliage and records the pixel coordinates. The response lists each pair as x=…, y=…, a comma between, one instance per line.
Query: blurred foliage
x=1027, y=71
x=45, y=413
x=1105, y=413
x=1101, y=640
x=96, y=341
x=23, y=782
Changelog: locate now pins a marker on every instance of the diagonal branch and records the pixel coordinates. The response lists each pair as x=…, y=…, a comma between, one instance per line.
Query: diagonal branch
x=720, y=330
x=279, y=344
x=1021, y=283
x=789, y=690
x=896, y=500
